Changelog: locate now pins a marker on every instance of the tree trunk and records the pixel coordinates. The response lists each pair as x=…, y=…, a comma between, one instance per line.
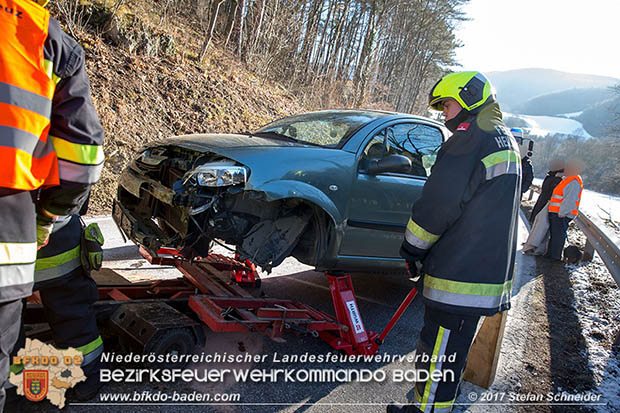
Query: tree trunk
x=242, y=13
x=232, y=24
x=207, y=43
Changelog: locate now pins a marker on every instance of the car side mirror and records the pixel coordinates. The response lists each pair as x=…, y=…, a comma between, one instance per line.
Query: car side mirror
x=390, y=163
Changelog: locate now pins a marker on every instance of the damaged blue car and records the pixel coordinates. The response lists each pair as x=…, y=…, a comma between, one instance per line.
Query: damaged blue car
x=333, y=189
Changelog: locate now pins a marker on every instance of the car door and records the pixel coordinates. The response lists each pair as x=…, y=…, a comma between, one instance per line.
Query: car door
x=380, y=205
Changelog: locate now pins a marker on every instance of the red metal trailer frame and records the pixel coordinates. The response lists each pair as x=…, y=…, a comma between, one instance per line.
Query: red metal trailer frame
x=212, y=286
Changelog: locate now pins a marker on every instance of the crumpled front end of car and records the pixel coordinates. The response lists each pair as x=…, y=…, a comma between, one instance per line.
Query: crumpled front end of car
x=188, y=199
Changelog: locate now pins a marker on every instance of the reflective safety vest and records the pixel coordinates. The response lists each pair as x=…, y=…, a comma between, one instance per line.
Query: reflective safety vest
x=558, y=195
x=27, y=157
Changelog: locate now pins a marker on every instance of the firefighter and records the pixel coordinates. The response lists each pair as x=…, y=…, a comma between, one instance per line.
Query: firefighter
x=564, y=207
x=62, y=277
x=527, y=169
x=50, y=149
x=463, y=231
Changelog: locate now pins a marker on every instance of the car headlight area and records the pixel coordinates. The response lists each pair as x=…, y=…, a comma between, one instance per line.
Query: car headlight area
x=217, y=174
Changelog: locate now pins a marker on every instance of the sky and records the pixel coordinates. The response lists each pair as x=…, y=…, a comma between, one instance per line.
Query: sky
x=577, y=36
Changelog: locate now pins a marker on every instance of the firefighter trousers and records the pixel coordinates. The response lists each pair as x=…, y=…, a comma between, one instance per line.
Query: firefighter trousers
x=443, y=347
x=67, y=294
x=18, y=250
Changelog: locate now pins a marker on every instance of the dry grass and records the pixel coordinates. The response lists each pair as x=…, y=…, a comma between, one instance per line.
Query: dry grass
x=142, y=98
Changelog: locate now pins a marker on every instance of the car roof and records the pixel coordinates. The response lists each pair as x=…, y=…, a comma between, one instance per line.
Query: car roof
x=377, y=114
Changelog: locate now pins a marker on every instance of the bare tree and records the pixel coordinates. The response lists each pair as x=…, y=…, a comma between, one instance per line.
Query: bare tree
x=341, y=52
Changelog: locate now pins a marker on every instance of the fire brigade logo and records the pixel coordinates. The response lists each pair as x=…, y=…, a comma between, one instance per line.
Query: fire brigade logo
x=44, y=372
x=36, y=384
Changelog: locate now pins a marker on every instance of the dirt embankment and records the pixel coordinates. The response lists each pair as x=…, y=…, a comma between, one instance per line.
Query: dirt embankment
x=147, y=84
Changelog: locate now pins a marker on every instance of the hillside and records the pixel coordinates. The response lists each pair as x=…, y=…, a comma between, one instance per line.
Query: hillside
x=147, y=84
x=599, y=118
x=563, y=102
x=515, y=87
x=165, y=68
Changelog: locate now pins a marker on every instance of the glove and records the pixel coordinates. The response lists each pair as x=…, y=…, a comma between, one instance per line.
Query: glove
x=414, y=268
x=45, y=226
x=91, y=251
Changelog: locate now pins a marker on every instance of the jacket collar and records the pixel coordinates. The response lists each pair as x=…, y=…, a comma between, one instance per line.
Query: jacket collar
x=454, y=123
x=487, y=116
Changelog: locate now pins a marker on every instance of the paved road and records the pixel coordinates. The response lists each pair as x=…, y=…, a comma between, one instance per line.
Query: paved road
x=378, y=298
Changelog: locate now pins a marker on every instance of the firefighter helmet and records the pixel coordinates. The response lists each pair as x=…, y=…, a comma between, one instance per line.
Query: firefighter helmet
x=470, y=89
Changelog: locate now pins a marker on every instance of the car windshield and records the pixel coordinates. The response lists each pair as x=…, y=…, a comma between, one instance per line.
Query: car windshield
x=330, y=129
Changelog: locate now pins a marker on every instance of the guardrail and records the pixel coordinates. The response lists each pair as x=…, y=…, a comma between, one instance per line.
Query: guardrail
x=596, y=240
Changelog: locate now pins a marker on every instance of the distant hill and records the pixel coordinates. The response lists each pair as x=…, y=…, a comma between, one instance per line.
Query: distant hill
x=515, y=87
x=598, y=118
x=566, y=101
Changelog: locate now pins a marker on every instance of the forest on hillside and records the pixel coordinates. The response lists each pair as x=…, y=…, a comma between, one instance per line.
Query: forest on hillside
x=601, y=155
x=161, y=68
x=332, y=53
x=346, y=52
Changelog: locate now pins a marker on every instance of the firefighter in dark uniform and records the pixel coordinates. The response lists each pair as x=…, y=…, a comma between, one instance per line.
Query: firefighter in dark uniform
x=50, y=150
x=62, y=277
x=463, y=229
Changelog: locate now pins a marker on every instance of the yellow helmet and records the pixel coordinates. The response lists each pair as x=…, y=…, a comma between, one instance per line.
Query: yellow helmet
x=470, y=89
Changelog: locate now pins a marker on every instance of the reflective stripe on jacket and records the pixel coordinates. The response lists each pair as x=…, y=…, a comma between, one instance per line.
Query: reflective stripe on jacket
x=18, y=245
x=464, y=226
x=27, y=157
x=75, y=131
x=558, y=196
x=61, y=255
x=16, y=263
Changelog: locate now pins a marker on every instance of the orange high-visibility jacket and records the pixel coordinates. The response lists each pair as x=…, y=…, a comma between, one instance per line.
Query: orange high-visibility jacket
x=50, y=134
x=558, y=195
x=27, y=157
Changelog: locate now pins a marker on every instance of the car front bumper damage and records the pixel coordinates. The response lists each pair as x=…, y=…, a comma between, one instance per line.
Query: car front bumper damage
x=154, y=215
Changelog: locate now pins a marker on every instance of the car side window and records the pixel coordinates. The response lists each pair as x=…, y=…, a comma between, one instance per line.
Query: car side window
x=376, y=147
x=420, y=143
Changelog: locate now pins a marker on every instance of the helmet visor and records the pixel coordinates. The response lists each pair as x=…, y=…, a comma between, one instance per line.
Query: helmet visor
x=437, y=104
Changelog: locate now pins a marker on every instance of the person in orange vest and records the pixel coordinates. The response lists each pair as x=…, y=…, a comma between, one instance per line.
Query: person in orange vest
x=563, y=207
x=50, y=149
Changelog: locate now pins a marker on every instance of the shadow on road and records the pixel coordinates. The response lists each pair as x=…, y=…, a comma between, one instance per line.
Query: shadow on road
x=569, y=368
